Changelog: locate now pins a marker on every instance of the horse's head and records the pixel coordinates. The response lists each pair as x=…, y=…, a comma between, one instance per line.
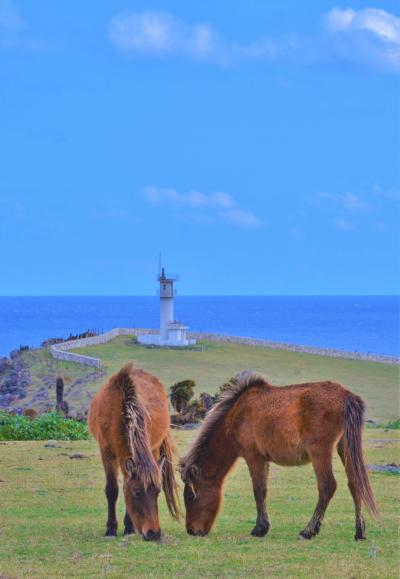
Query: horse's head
x=141, y=494
x=202, y=500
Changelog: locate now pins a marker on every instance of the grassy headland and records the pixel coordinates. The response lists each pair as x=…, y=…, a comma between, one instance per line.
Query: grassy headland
x=376, y=382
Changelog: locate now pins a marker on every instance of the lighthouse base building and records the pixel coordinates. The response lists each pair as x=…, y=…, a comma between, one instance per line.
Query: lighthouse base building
x=176, y=336
x=172, y=333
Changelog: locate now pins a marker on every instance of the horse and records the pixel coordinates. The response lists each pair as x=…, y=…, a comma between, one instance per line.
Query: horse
x=290, y=426
x=129, y=418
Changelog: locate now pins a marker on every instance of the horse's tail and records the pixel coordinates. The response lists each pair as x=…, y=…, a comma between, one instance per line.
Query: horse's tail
x=169, y=483
x=354, y=409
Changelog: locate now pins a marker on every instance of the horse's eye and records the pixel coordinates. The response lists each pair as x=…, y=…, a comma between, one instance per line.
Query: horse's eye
x=190, y=496
x=137, y=494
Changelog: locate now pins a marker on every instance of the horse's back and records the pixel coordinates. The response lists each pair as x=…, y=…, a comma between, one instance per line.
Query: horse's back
x=282, y=422
x=106, y=410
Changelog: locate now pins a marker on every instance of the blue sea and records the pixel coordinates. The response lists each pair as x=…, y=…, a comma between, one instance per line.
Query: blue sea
x=368, y=324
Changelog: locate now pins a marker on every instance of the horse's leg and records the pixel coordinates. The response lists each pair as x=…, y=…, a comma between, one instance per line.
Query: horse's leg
x=322, y=464
x=129, y=528
x=360, y=523
x=111, y=491
x=259, y=468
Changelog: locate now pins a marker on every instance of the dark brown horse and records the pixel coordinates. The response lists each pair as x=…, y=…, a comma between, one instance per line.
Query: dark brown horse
x=290, y=426
x=129, y=417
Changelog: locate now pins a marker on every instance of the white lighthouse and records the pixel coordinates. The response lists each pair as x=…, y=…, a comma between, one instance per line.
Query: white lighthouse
x=166, y=292
x=172, y=332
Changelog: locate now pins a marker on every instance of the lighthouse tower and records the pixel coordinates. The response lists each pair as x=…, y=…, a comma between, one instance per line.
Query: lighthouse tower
x=172, y=332
x=166, y=293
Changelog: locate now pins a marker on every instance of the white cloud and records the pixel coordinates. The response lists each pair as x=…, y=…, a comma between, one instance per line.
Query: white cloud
x=160, y=33
x=354, y=202
x=349, y=201
x=241, y=217
x=157, y=195
x=379, y=22
x=344, y=224
x=338, y=19
x=370, y=36
x=204, y=208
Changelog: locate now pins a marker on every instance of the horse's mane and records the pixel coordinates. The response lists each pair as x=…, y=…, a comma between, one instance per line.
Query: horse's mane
x=243, y=382
x=135, y=416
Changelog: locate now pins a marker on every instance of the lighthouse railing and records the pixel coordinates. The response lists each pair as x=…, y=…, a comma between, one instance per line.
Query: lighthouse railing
x=168, y=277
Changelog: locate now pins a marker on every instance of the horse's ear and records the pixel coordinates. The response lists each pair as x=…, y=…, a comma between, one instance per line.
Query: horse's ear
x=131, y=467
x=161, y=462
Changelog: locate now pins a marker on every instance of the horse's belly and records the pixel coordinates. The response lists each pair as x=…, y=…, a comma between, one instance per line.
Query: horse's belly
x=295, y=458
x=285, y=451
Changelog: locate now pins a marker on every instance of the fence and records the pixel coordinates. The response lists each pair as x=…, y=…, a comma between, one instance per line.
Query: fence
x=61, y=351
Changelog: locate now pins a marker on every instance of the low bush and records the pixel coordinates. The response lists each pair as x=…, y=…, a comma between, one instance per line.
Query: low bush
x=48, y=426
x=393, y=424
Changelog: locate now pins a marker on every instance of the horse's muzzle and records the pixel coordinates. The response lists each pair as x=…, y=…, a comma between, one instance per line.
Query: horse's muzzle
x=196, y=533
x=152, y=535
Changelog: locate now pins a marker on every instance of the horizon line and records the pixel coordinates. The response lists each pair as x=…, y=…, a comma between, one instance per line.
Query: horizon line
x=196, y=295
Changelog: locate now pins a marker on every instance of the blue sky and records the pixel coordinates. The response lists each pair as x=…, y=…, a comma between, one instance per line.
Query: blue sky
x=256, y=144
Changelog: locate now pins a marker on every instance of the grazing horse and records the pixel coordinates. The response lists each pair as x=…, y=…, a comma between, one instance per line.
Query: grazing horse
x=290, y=426
x=129, y=417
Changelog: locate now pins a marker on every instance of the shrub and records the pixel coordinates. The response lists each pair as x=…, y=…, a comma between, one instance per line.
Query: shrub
x=50, y=425
x=181, y=393
x=230, y=385
x=393, y=424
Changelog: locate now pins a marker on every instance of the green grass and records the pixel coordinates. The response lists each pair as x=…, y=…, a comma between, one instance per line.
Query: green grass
x=53, y=514
x=47, y=426
x=377, y=383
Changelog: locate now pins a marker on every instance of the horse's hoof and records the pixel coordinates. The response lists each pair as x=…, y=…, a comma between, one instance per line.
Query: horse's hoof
x=129, y=532
x=305, y=535
x=360, y=537
x=110, y=533
x=259, y=531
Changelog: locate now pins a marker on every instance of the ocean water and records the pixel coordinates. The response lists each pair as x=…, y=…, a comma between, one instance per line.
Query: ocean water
x=367, y=324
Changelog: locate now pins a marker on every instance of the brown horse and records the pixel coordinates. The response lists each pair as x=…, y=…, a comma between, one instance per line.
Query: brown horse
x=129, y=417
x=290, y=426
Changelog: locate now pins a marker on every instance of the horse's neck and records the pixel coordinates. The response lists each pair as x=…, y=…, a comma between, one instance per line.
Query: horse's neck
x=219, y=455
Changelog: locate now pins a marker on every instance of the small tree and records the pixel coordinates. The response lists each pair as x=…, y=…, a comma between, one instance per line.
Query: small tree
x=180, y=394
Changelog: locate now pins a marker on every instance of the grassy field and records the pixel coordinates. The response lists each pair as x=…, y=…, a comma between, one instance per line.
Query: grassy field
x=377, y=383
x=53, y=514
x=53, y=508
